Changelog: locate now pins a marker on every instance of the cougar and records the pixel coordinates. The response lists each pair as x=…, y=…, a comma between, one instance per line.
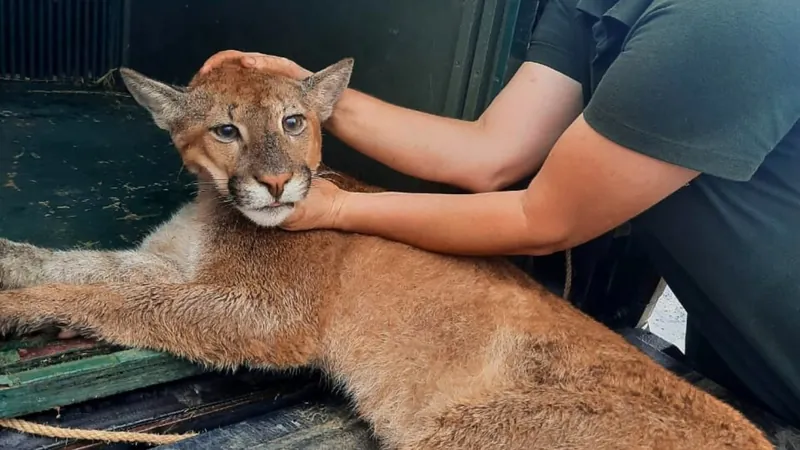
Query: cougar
x=435, y=351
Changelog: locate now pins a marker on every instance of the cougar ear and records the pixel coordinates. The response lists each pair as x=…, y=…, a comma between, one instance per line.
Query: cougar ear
x=164, y=102
x=324, y=88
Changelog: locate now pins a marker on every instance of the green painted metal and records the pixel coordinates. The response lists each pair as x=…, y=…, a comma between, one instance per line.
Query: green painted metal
x=462, y=62
x=490, y=68
x=503, y=65
x=481, y=70
x=83, y=169
x=51, y=386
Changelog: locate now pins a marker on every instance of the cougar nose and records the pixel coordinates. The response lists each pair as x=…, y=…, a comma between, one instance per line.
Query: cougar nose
x=275, y=183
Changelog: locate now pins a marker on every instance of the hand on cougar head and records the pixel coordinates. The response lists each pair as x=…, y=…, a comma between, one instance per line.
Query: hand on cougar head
x=320, y=208
x=260, y=61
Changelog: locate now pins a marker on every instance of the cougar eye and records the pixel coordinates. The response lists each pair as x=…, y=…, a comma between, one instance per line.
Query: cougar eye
x=226, y=133
x=294, y=125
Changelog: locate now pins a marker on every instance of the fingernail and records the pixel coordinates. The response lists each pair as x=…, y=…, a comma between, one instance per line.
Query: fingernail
x=250, y=61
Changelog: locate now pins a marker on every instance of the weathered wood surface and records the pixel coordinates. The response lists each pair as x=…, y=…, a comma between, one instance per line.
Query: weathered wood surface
x=37, y=374
x=230, y=410
x=43, y=349
x=307, y=427
x=201, y=403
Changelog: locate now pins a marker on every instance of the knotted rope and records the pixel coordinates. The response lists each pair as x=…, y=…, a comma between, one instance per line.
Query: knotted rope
x=24, y=426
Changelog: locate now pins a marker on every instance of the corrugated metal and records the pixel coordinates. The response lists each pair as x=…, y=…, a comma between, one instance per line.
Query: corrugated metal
x=75, y=40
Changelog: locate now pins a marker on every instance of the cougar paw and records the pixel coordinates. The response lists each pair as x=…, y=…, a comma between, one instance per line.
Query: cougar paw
x=18, y=264
x=5, y=256
x=22, y=313
x=9, y=312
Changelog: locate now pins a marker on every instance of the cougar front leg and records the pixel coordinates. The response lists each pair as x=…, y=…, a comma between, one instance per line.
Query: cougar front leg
x=23, y=265
x=216, y=325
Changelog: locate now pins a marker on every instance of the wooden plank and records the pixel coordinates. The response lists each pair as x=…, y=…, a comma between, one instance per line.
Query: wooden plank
x=311, y=426
x=54, y=385
x=199, y=403
x=45, y=349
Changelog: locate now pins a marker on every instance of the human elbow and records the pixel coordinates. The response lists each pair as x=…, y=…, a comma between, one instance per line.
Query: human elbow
x=546, y=249
x=484, y=178
x=547, y=232
x=548, y=243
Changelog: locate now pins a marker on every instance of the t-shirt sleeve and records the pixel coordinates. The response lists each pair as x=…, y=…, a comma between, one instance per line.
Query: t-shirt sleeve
x=554, y=40
x=703, y=86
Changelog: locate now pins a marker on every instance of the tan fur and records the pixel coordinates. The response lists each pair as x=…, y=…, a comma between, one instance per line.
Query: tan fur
x=437, y=352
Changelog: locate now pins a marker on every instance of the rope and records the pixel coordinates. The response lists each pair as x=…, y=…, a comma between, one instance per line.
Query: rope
x=92, y=435
x=568, y=274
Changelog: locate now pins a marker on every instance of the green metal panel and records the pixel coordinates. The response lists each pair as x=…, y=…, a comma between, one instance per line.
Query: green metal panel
x=481, y=68
x=468, y=31
x=505, y=29
x=83, y=169
x=503, y=64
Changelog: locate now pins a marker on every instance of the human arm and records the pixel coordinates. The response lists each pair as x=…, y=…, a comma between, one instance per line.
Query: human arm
x=508, y=142
x=654, y=123
x=587, y=186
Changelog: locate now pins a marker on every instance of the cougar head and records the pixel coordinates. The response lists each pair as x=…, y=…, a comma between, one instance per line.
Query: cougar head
x=257, y=136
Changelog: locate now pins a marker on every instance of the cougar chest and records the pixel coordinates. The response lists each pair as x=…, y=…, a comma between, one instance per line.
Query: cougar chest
x=239, y=251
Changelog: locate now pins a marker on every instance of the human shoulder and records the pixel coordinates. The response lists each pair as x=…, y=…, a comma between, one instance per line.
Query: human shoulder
x=553, y=41
x=710, y=85
x=737, y=21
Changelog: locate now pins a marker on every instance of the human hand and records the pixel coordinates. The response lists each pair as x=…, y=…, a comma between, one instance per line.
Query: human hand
x=320, y=208
x=260, y=61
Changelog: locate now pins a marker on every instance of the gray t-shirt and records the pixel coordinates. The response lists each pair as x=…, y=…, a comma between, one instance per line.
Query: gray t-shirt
x=712, y=85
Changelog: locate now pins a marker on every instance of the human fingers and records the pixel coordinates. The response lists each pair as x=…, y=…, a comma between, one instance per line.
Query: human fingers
x=220, y=57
